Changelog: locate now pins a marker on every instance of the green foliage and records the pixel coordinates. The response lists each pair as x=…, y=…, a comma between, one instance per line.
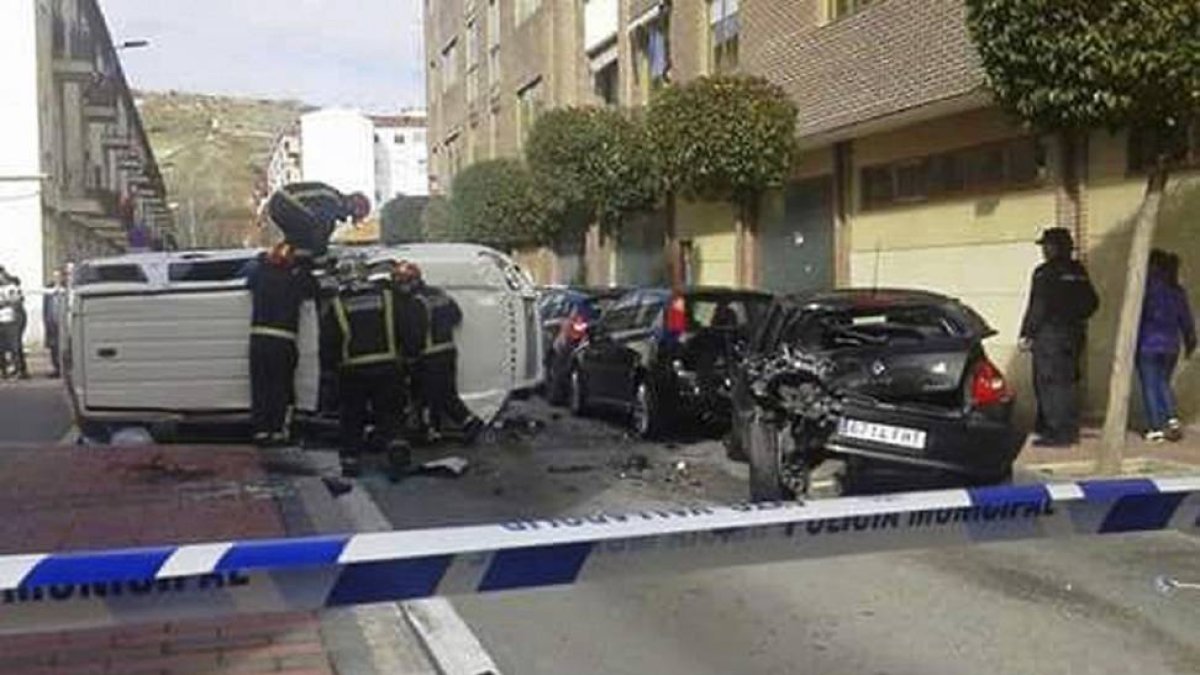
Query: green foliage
x=400, y=220
x=435, y=220
x=597, y=162
x=1076, y=64
x=722, y=137
x=499, y=203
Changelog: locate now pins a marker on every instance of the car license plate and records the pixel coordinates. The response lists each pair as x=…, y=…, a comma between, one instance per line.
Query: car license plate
x=882, y=433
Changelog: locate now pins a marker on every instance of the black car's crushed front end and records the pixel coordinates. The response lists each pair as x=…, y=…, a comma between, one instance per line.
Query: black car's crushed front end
x=896, y=387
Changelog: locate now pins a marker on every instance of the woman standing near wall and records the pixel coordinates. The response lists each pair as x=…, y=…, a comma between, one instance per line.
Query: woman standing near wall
x=1166, y=319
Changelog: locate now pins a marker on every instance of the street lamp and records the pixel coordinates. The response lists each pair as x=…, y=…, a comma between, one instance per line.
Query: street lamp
x=133, y=44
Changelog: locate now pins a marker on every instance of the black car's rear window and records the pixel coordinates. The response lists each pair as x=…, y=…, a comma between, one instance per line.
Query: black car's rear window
x=725, y=311
x=875, y=325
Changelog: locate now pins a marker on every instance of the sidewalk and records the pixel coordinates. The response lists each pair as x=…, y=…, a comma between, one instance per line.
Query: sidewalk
x=1140, y=457
x=56, y=498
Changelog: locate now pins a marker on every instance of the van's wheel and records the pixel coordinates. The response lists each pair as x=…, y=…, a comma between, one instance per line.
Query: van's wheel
x=768, y=444
x=645, y=416
x=578, y=391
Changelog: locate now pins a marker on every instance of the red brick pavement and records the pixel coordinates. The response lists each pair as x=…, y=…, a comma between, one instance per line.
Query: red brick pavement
x=68, y=498
x=1140, y=456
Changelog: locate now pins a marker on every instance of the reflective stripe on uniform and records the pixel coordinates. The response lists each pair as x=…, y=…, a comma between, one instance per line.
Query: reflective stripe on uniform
x=343, y=319
x=273, y=332
x=438, y=349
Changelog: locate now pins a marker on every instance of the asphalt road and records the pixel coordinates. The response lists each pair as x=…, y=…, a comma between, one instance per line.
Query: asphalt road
x=1065, y=606
x=33, y=411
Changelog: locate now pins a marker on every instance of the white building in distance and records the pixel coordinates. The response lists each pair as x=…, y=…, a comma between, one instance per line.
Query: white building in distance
x=338, y=147
x=381, y=156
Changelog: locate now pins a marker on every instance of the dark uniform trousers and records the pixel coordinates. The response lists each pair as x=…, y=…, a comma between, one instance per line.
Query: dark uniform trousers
x=272, y=369
x=437, y=377
x=1056, y=373
x=375, y=389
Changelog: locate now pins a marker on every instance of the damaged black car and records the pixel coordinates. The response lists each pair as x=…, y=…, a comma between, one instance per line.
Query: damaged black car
x=891, y=387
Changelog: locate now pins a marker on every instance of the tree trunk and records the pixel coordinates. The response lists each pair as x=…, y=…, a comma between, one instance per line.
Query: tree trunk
x=672, y=249
x=1116, y=418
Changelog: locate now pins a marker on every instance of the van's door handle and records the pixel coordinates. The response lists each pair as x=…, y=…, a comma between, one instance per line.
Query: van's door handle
x=106, y=353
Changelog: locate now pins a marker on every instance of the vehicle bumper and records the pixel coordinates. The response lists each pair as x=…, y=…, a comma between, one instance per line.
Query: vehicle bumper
x=974, y=446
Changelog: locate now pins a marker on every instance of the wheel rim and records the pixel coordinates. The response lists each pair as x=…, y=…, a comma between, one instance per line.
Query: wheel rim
x=641, y=410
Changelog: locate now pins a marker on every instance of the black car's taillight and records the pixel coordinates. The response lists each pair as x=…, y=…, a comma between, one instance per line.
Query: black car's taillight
x=988, y=386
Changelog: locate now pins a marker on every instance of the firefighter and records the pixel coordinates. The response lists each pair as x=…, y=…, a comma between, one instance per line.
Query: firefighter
x=308, y=213
x=436, y=372
x=1061, y=301
x=371, y=379
x=279, y=284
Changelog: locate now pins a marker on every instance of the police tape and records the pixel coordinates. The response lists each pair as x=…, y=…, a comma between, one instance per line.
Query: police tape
x=59, y=591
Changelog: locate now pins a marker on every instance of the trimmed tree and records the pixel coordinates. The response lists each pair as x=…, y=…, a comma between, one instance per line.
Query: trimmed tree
x=598, y=161
x=1072, y=65
x=400, y=220
x=722, y=138
x=498, y=203
x=435, y=220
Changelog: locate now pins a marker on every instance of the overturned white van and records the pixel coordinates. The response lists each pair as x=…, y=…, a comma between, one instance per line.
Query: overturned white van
x=160, y=340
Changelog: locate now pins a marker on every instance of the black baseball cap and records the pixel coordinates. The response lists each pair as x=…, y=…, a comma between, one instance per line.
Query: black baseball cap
x=1057, y=235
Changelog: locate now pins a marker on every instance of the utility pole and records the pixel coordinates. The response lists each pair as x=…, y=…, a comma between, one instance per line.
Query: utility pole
x=192, y=218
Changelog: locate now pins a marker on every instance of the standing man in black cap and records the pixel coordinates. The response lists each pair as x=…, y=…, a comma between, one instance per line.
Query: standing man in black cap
x=1061, y=301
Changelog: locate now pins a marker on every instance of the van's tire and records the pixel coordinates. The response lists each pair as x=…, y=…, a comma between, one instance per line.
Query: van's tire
x=578, y=393
x=766, y=462
x=92, y=431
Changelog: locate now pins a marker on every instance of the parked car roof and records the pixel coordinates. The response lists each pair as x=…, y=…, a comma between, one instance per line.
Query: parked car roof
x=869, y=298
x=692, y=291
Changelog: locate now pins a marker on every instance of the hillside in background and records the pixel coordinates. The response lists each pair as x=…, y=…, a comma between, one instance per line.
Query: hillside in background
x=213, y=152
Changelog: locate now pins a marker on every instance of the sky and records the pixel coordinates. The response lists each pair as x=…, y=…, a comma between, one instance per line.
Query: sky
x=363, y=54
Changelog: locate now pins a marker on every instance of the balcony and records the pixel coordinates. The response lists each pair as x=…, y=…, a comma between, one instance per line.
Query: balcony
x=98, y=113
x=68, y=68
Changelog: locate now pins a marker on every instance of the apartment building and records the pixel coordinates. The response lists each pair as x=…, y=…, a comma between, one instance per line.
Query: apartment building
x=78, y=178
x=910, y=175
x=283, y=166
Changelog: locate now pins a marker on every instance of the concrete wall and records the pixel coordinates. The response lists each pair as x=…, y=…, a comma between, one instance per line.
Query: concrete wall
x=710, y=228
x=979, y=248
x=1112, y=198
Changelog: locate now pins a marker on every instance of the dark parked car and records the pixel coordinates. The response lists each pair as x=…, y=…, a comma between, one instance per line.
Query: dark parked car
x=895, y=384
x=566, y=314
x=660, y=356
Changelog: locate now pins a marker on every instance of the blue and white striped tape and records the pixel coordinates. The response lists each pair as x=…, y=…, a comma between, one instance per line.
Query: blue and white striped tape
x=98, y=588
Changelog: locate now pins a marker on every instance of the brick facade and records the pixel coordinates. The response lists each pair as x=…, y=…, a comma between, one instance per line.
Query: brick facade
x=891, y=57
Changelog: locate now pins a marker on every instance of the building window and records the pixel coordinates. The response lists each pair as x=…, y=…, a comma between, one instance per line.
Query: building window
x=525, y=9
x=449, y=64
x=529, y=107
x=837, y=9
x=1182, y=148
x=1007, y=165
x=723, y=35
x=398, y=139
x=606, y=84
x=651, y=55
